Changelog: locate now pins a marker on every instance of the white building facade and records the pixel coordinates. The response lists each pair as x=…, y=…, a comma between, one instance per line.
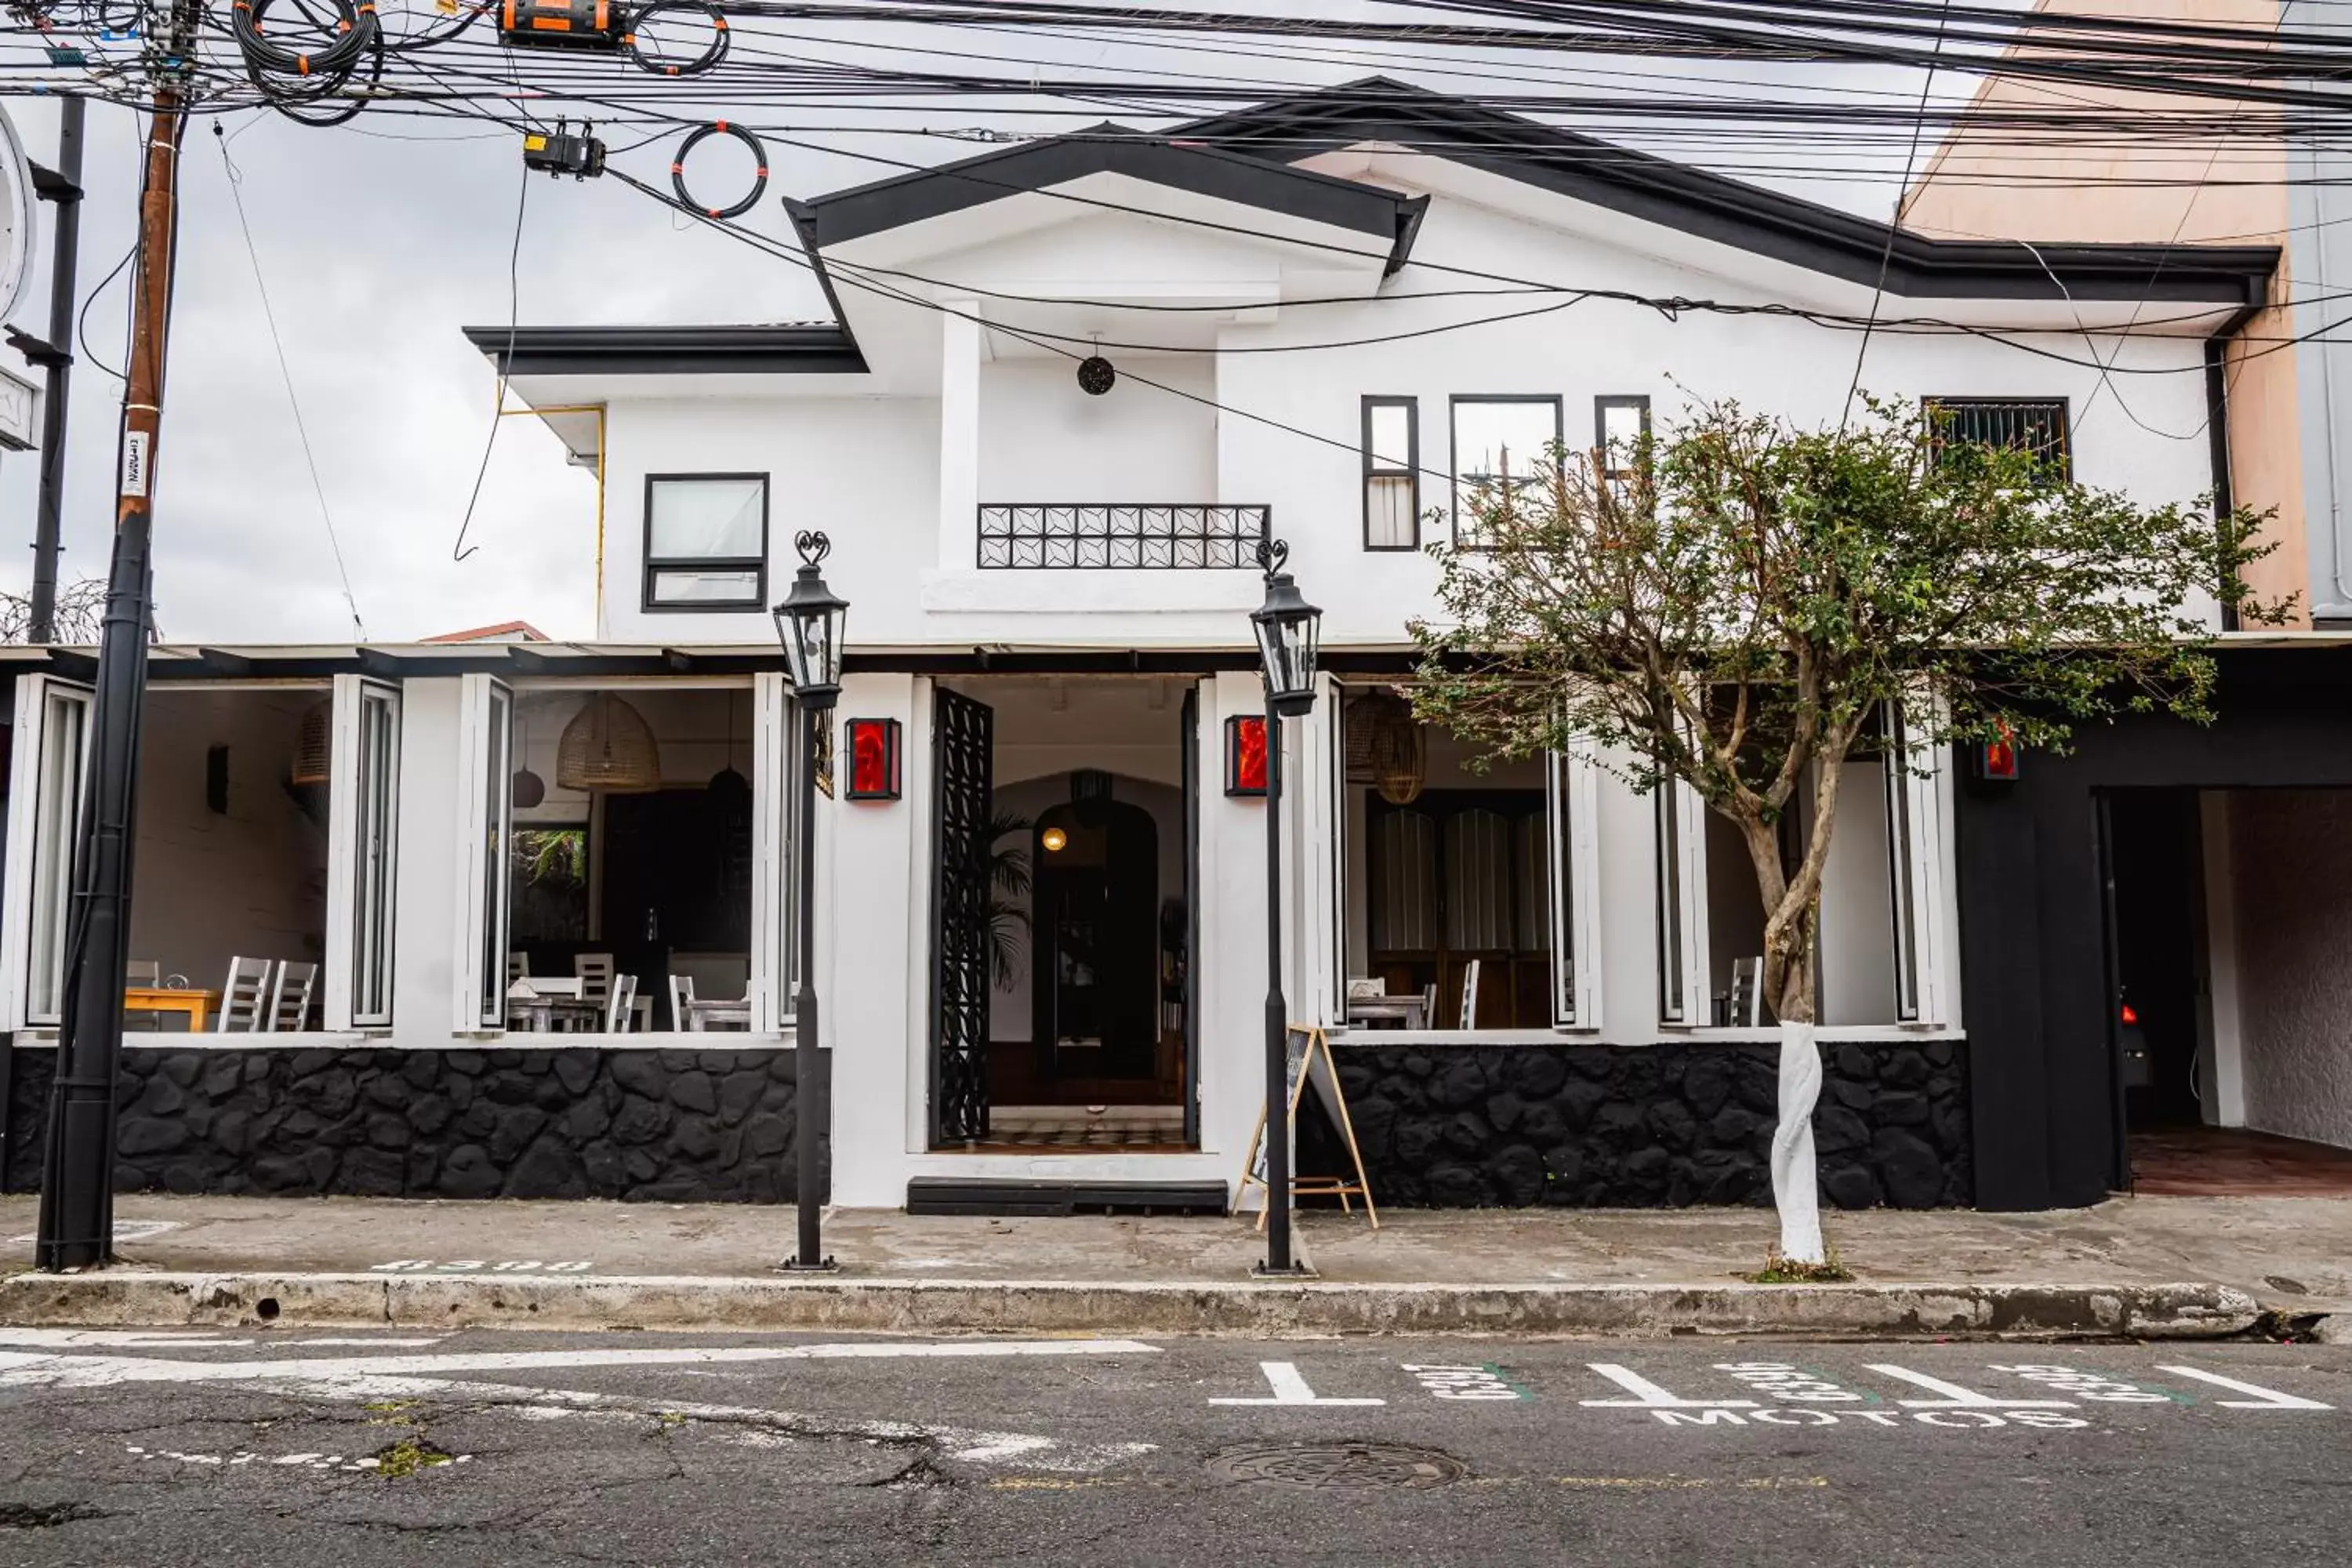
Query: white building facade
x=1323, y=319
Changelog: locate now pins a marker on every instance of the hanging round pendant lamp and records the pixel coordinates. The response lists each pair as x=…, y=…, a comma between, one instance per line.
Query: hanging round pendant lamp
x=729, y=788
x=608, y=747
x=528, y=788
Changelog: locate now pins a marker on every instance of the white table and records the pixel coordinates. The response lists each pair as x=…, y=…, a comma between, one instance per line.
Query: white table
x=1412, y=1011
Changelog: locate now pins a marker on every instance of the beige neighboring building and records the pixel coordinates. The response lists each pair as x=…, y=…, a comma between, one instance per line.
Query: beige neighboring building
x=1986, y=183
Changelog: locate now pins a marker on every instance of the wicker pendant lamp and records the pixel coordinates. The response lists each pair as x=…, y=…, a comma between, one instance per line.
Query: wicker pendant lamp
x=314, y=745
x=608, y=747
x=1399, y=756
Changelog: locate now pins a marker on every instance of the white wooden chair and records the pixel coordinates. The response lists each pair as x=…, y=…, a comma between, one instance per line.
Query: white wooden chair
x=146, y=972
x=245, y=996
x=595, y=973
x=681, y=1003
x=517, y=965
x=290, y=997
x=1747, y=993
x=1470, y=995
x=620, y=1004
x=1429, y=1005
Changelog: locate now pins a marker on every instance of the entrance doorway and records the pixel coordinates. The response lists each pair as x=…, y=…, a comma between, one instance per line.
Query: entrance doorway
x=1064, y=921
x=2225, y=914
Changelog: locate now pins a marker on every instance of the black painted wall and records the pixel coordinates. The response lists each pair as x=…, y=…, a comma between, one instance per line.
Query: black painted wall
x=647, y=1125
x=2033, y=961
x=1643, y=1126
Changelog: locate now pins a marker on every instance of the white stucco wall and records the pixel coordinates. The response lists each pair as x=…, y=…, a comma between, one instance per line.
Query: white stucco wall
x=207, y=886
x=2291, y=862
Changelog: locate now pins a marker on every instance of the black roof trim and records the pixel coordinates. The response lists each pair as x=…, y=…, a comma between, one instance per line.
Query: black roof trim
x=902, y=199
x=1695, y=201
x=672, y=350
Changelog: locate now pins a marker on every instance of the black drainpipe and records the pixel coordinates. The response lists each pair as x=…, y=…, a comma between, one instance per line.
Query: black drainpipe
x=2216, y=417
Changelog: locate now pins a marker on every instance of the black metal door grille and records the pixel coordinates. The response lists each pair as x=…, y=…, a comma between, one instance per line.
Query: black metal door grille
x=963, y=739
x=1080, y=537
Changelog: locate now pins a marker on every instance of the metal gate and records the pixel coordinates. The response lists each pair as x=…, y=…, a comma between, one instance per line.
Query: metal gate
x=962, y=743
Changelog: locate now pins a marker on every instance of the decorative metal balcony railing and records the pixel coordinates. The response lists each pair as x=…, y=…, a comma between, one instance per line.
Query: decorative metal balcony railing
x=1151, y=537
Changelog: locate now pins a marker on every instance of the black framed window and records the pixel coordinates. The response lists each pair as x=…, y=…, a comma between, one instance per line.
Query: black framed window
x=2037, y=424
x=706, y=542
x=1500, y=440
x=1391, y=473
x=1620, y=425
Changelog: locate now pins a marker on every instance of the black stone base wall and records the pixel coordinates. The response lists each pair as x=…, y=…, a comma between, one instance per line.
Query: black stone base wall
x=651, y=1125
x=1591, y=1126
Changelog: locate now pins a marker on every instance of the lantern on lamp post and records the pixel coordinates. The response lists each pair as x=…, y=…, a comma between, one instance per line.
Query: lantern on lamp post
x=809, y=624
x=1288, y=630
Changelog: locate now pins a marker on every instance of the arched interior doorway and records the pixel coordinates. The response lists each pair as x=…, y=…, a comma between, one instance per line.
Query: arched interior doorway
x=1095, y=937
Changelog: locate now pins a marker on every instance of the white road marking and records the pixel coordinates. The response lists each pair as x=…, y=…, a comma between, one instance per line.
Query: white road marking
x=117, y=1339
x=1464, y=1381
x=2085, y=1383
x=1787, y=1381
x=149, y=1339
x=124, y=1230
x=1955, y=1398
x=2264, y=1398
x=100, y=1372
x=1648, y=1395
x=1289, y=1388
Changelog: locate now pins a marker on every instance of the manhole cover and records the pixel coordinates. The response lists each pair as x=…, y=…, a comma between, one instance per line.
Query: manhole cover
x=1337, y=1467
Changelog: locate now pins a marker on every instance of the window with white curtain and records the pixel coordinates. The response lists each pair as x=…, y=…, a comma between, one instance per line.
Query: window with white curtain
x=1391, y=473
x=49, y=751
x=706, y=542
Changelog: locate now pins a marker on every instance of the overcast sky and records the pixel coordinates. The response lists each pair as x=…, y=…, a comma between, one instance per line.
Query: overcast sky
x=378, y=240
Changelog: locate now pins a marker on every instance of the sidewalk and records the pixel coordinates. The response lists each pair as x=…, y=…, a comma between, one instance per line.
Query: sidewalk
x=2146, y=1266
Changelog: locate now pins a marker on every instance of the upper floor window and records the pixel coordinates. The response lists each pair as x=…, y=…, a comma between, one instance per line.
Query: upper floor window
x=1620, y=425
x=706, y=542
x=1500, y=442
x=2038, y=425
x=1391, y=473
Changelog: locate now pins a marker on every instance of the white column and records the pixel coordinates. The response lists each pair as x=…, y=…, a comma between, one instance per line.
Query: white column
x=958, y=435
x=2228, y=1105
x=872, y=907
x=432, y=860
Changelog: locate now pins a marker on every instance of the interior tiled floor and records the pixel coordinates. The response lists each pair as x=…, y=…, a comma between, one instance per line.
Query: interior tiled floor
x=1139, y=1127
x=2228, y=1161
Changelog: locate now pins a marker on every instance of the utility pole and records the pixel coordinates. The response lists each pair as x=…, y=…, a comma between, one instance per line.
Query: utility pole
x=63, y=261
x=77, y=1223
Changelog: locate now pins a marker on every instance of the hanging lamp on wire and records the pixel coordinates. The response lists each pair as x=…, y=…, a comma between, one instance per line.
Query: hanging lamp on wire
x=529, y=789
x=729, y=788
x=1096, y=375
x=608, y=747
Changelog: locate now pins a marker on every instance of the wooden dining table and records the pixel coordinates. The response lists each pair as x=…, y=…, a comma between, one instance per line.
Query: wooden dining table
x=196, y=1007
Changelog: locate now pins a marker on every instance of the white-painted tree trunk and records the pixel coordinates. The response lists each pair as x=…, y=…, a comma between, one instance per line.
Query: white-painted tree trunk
x=1794, y=1190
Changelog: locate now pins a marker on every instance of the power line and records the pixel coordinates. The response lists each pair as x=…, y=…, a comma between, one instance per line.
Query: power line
x=285, y=373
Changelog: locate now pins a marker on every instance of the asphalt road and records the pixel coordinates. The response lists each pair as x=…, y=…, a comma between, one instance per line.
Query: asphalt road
x=480, y=1448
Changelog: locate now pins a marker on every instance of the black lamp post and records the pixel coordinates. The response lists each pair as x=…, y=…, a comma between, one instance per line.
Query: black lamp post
x=809, y=623
x=1288, y=629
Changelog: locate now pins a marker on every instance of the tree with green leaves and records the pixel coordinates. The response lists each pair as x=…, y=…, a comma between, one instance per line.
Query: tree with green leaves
x=1736, y=604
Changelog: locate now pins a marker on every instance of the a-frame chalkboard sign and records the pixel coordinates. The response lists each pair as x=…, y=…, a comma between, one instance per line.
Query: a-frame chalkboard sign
x=1311, y=1062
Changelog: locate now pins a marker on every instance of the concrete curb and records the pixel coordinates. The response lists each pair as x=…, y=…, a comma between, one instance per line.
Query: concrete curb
x=122, y=1297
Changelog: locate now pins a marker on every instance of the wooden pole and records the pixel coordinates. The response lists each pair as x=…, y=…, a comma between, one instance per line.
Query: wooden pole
x=77, y=1220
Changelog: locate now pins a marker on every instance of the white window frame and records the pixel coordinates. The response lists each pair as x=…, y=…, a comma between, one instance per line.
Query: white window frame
x=362, y=853
x=485, y=810
x=1571, y=809
x=1683, y=922
x=1915, y=775
x=776, y=722
x=1466, y=529
x=39, y=884
x=1316, y=805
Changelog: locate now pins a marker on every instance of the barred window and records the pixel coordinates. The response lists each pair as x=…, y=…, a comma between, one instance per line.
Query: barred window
x=2038, y=425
